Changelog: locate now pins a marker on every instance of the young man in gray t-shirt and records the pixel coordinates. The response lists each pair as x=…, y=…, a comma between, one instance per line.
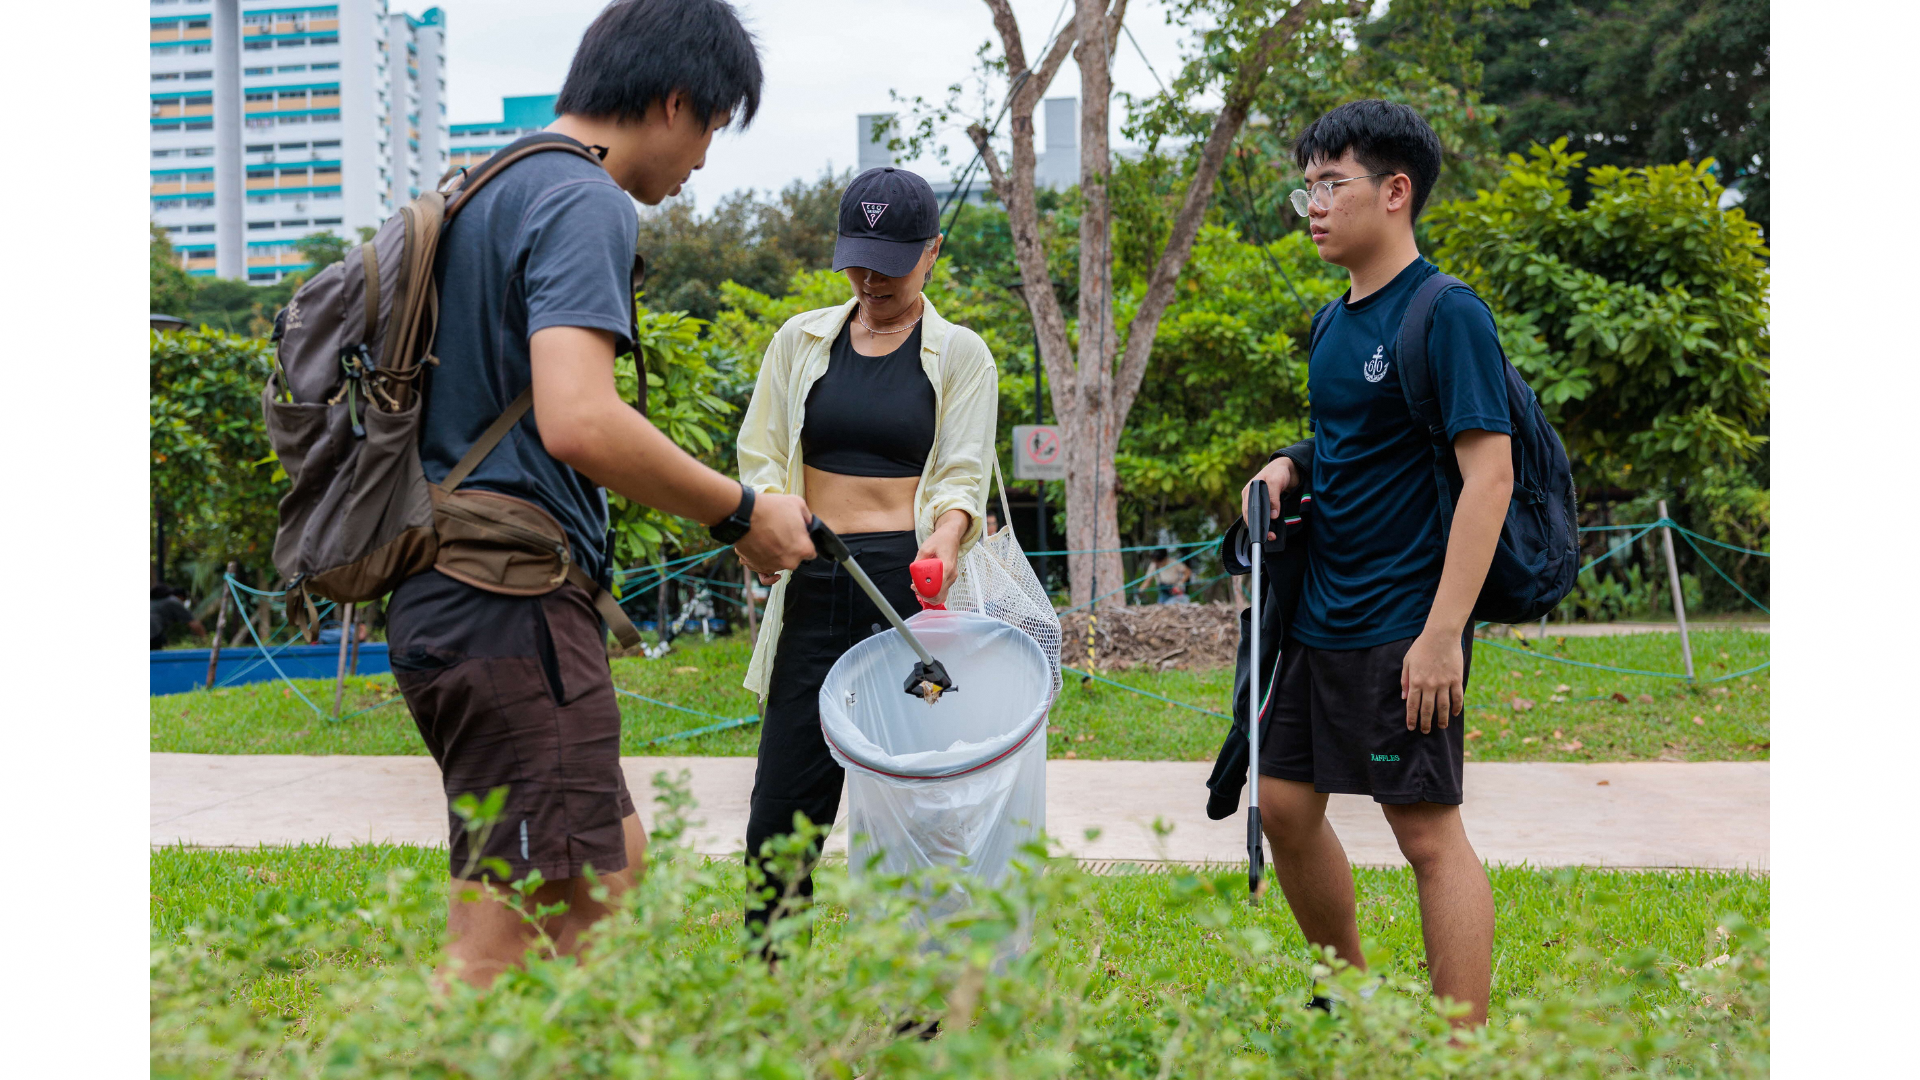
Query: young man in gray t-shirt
x=536, y=288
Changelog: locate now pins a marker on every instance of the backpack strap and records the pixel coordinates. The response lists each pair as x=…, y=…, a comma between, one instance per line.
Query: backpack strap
x=525, y=146
x=488, y=439
x=1410, y=351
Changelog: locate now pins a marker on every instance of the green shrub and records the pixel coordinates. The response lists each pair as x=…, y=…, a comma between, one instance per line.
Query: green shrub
x=291, y=986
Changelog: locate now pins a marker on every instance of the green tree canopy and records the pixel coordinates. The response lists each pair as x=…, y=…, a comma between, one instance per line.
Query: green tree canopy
x=1630, y=82
x=213, y=486
x=169, y=287
x=1640, y=318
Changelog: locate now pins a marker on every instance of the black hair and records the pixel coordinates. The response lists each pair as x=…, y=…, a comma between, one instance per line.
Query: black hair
x=162, y=591
x=1384, y=137
x=637, y=52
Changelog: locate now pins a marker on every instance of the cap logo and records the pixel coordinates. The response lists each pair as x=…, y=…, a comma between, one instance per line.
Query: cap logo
x=873, y=210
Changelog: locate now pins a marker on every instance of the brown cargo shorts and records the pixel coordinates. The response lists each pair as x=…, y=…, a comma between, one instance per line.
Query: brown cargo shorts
x=515, y=692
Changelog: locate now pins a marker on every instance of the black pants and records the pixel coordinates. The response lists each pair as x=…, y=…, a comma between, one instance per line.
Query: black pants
x=826, y=614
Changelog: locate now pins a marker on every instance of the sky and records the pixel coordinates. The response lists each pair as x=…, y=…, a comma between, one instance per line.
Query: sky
x=826, y=62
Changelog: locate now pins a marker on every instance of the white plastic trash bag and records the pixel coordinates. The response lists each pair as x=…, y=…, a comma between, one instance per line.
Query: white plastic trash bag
x=961, y=782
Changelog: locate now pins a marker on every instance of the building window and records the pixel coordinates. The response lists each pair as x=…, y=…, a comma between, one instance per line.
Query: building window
x=260, y=122
x=193, y=49
x=199, y=125
x=254, y=225
x=293, y=146
x=166, y=50
x=199, y=75
x=259, y=276
x=297, y=119
x=264, y=95
x=199, y=151
x=200, y=228
x=166, y=153
x=326, y=221
x=326, y=67
x=293, y=67
x=327, y=144
x=254, y=45
x=294, y=43
x=332, y=40
x=197, y=204
x=326, y=194
x=260, y=148
x=166, y=127
x=259, y=71
x=296, y=223
x=166, y=76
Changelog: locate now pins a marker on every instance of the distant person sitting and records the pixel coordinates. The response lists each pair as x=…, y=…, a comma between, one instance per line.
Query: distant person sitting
x=993, y=522
x=1172, y=576
x=167, y=613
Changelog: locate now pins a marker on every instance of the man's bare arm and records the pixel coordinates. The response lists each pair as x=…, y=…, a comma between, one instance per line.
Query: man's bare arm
x=1433, y=674
x=584, y=423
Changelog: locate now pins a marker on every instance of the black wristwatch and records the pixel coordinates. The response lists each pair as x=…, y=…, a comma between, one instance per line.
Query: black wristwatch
x=736, y=524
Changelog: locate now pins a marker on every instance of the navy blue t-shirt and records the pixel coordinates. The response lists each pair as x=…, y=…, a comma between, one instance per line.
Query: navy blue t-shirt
x=1375, y=551
x=548, y=242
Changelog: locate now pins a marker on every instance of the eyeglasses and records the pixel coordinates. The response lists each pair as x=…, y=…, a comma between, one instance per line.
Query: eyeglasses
x=1322, y=193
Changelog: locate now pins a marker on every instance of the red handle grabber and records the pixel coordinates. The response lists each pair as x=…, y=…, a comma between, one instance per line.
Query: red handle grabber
x=928, y=574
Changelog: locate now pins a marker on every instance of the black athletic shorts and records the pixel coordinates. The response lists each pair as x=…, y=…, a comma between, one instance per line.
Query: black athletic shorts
x=1340, y=724
x=514, y=692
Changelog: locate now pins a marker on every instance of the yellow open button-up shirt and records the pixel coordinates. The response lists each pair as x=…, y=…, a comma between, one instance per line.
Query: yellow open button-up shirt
x=966, y=395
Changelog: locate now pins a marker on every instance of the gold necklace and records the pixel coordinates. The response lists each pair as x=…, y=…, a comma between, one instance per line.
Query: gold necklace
x=902, y=330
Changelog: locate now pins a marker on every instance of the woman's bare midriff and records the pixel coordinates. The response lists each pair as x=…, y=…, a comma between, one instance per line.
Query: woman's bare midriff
x=861, y=504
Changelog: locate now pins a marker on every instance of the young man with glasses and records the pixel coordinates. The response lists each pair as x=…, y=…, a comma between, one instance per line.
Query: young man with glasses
x=1374, y=668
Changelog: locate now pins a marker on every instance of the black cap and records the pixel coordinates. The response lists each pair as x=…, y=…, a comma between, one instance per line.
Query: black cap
x=887, y=215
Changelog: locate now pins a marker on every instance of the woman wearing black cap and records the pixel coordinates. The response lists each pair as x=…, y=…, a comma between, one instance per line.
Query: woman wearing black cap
x=882, y=415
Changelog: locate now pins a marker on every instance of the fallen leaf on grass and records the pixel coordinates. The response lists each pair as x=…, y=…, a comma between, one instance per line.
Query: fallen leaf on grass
x=685, y=670
x=1513, y=674
x=1557, y=735
x=1556, y=699
x=1570, y=747
x=1699, y=721
x=1528, y=739
x=1070, y=754
x=1563, y=688
x=1645, y=699
x=1719, y=708
x=1521, y=704
x=1474, y=734
x=1619, y=697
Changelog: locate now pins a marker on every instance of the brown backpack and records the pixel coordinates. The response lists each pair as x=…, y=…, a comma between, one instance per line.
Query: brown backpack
x=343, y=408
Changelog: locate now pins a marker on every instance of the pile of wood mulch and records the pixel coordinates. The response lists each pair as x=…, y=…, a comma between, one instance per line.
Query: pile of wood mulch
x=1159, y=637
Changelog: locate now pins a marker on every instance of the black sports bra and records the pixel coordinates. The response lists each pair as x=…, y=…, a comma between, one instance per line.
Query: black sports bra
x=870, y=415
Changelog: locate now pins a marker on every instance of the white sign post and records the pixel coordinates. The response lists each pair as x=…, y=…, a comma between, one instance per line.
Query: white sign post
x=1038, y=452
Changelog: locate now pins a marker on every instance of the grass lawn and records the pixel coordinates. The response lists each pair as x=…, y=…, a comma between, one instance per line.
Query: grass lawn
x=1556, y=928
x=1521, y=707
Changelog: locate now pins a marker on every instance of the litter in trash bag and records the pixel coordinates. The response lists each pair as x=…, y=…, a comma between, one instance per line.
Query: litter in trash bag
x=959, y=784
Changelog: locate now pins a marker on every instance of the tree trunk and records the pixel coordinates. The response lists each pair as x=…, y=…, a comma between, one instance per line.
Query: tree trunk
x=1091, y=397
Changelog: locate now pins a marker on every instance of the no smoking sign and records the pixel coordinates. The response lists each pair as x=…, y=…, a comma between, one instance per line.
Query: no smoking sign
x=1038, y=453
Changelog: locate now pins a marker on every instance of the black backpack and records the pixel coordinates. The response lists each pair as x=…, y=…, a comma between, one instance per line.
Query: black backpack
x=1538, y=556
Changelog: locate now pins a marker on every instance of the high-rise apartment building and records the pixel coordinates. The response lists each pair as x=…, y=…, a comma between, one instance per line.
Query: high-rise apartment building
x=471, y=144
x=271, y=122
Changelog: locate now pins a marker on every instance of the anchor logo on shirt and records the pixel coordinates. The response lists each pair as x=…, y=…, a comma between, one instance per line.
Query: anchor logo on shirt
x=1376, y=368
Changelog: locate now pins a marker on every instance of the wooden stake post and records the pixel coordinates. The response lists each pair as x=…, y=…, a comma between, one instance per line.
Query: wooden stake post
x=219, y=626
x=1673, y=579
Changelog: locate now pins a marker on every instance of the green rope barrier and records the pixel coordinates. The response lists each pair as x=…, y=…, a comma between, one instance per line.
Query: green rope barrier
x=1144, y=693
x=723, y=723
x=1723, y=574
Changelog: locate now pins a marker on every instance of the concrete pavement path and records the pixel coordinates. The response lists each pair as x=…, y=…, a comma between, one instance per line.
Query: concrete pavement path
x=1639, y=814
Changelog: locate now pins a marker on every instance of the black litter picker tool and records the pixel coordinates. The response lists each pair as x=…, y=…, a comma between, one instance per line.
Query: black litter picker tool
x=1259, y=511
x=929, y=678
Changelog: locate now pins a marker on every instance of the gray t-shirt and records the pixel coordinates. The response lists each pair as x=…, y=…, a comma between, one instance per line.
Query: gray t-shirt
x=548, y=242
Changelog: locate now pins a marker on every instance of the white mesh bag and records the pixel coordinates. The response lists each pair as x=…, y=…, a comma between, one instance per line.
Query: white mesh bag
x=960, y=782
x=996, y=579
